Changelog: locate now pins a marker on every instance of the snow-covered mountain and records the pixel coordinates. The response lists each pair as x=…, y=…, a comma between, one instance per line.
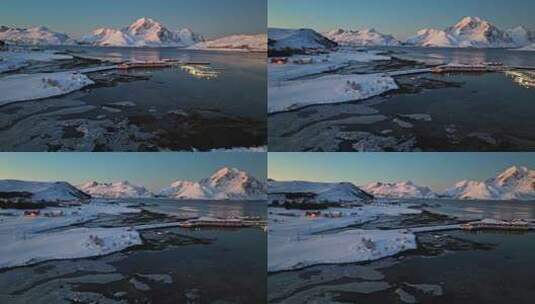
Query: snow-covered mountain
x=321, y=192
x=522, y=36
x=469, y=32
x=515, y=183
x=144, y=32
x=255, y=43
x=433, y=38
x=365, y=37
x=33, y=36
x=40, y=191
x=123, y=189
x=399, y=190
x=297, y=39
x=224, y=184
x=530, y=47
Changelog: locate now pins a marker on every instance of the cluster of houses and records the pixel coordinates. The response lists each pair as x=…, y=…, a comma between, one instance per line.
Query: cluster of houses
x=330, y=214
x=285, y=60
x=523, y=78
x=473, y=68
x=492, y=224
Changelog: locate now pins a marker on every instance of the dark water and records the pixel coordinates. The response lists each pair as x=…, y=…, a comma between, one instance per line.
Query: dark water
x=144, y=109
x=475, y=210
x=231, y=267
x=465, y=55
x=206, y=265
x=467, y=267
x=207, y=208
x=240, y=88
x=503, y=274
x=490, y=103
x=469, y=112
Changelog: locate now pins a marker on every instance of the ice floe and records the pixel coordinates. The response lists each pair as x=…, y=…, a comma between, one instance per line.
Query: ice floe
x=42, y=85
x=296, y=94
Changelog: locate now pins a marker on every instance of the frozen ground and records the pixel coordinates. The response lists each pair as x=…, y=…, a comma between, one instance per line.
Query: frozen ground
x=42, y=85
x=321, y=63
x=15, y=59
x=32, y=239
x=296, y=94
x=296, y=241
x=290, y=85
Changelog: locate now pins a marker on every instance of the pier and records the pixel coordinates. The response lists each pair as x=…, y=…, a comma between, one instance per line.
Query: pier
x=207, y=222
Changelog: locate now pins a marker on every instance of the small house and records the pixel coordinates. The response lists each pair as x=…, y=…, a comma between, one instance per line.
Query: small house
x=313, y=214
x=279, y=60
x=32, y=213
x=306, y=60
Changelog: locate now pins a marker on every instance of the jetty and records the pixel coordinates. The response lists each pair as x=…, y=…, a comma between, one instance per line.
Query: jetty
x=492, y=224
x=237, y=222
x=145, y=65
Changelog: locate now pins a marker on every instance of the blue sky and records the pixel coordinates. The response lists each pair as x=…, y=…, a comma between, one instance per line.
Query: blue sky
x=436, y=170
x=153, y=170
x=212, y=18
x=401, y=18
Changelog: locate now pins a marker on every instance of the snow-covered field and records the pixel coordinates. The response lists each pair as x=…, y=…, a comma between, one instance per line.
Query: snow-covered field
x=328, y=89
x=19, y=58
x=236, y=43
x=287, y=91
x=47, y=236
x=320, y=63
x=42, y=85
x=296, y=241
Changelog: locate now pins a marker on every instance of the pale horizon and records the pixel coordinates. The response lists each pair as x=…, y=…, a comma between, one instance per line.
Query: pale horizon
x=401, y=19
x=437, y=171
x=151, y=170
x=209, y=18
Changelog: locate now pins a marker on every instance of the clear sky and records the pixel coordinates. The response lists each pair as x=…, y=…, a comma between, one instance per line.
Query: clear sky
x=153, y=170
x=211, y=18
x=436, y=170
x=401, y=18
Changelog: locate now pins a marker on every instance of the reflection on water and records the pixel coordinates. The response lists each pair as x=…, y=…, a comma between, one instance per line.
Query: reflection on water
x=465, y=56
x=223, y=209
x=201, y=71
x=473, y=210
x=525, y=79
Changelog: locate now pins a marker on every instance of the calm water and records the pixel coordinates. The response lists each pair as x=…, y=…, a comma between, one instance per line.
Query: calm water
x=468, y=267
x=145, y=109
x=469, y=112
x=207, y=208
x=473, y=210
x=465, y=55
x=239, y=90
x=206, y=265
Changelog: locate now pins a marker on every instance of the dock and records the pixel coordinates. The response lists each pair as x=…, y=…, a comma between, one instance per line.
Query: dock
x=206, y=222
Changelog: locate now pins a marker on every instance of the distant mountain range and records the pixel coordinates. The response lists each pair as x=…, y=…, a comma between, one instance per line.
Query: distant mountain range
x=365, y=37
x=224, y=184
x=144, y=32
x=514, y=183
x=123, y=189
x=315, y=192
x=399, y=190
x=255, y=43
x=34, y=36
x=299, y=39
x=40, y=191
x=469, y=32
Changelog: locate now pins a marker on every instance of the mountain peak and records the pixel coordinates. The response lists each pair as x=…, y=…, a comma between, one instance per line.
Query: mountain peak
x=225, y=183
x=144, y=32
